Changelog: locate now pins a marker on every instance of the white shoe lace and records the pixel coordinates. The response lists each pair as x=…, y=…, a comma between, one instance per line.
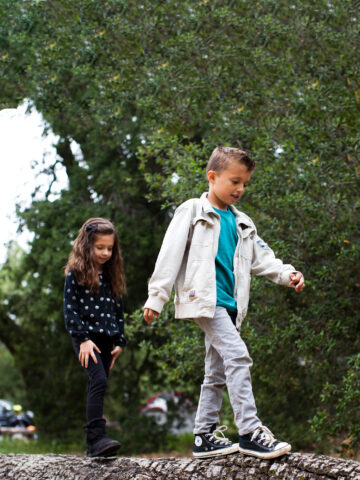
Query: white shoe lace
x=264, y=435
x=222, y=438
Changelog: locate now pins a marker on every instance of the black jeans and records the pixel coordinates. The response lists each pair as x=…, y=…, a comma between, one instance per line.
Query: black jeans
x=98, y=374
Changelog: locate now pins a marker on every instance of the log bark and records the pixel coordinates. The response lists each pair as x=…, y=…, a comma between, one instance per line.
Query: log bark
x=233, y=467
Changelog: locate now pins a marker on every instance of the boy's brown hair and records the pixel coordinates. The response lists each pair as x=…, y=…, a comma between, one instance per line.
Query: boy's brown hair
x=82, y=262
x=221, y=157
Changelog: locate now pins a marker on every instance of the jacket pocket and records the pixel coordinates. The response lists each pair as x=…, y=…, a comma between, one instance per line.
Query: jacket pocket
x=197, y=281
x=202, y=231
x=246, y=251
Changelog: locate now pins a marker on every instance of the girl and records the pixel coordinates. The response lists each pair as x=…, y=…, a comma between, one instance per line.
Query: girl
x=94, y=318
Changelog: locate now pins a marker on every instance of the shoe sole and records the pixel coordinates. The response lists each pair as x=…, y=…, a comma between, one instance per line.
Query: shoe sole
x=105, y=457
x=218, y=453
x=268, y=455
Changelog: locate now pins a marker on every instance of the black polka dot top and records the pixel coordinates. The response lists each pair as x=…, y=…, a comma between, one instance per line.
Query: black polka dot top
x=86, y=312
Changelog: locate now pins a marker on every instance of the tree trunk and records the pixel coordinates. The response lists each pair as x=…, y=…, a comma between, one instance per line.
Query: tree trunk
x=233, y=467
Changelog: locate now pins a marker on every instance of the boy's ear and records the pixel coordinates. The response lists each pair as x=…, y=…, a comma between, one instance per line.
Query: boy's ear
x=211, y=175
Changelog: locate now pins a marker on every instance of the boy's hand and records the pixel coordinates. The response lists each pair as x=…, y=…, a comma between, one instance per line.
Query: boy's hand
x=149, y=315
x=115, y=353
x=87, y=349
x=297, y=281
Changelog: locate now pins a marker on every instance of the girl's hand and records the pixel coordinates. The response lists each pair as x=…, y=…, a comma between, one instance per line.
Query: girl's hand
x=149, y=315
x=297, y=281
x=115, y=353
x=87, y=349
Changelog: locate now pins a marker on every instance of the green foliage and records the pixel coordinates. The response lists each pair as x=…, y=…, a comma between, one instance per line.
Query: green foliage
x=12, y=387
x=139, y=435
x=182, y=444
x=37, y=446
x=344, y=399
x=177, y=347
x=162, y=356
x=147, y=90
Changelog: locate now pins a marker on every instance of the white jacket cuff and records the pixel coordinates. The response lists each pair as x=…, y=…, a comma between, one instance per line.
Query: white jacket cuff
x=155, y=303
x=285, y=277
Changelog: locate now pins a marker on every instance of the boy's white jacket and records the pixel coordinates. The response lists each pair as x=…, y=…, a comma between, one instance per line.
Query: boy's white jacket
x=187, y=261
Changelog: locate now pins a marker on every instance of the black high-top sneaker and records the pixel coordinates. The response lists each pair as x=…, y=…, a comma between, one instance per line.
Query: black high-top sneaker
x=261, y=443
x=98, y=445
x=212, y=445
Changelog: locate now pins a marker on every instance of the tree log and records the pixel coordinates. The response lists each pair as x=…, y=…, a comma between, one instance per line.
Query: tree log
x=233, y=467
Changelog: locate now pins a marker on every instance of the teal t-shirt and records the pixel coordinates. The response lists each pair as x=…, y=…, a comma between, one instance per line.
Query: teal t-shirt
x=224, y=261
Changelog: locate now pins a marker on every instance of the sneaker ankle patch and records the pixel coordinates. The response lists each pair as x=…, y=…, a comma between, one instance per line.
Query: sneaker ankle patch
x=198, y=441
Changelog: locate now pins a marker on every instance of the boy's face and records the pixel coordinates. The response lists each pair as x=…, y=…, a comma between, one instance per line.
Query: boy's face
x=228, y=186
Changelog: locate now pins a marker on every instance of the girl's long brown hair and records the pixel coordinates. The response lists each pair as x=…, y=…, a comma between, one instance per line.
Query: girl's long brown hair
x=82, y=261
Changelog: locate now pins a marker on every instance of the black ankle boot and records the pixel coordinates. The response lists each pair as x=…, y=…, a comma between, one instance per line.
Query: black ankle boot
x=98, y=445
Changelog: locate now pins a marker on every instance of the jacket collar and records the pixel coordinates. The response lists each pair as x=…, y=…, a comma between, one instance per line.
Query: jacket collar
x=242, y=219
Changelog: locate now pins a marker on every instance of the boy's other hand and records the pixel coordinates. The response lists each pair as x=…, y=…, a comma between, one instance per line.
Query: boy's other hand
x=87, y=350
x=297, y=281
x=115, y=353
x=150, y=315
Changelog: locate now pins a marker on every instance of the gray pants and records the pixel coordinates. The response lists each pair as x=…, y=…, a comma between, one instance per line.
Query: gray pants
x=227, y=362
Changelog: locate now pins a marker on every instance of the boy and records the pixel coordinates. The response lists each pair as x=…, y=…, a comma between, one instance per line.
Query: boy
x=209, y=251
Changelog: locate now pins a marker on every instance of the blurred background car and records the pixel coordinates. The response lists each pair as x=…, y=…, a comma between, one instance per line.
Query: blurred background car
x=13, y=416
x=172, y=409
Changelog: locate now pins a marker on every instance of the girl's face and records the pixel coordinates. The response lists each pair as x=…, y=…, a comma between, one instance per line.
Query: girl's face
x=102, y=248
